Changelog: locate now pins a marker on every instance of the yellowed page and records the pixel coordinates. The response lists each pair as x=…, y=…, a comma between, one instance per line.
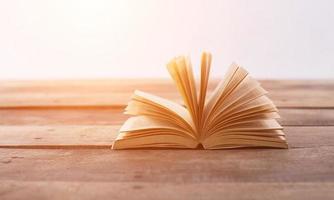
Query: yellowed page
x=181, y=72
x=226, y=143
x=210, y=103
x=239, y=112
x=205, y=71
x=138, y=123
x=159, y=140
x=232, y=79
x=143, y=131
x=147, y=104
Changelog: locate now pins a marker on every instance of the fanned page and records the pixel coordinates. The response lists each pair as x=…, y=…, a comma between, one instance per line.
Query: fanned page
x=236, y=114
x=158, y=123
x=239, y=114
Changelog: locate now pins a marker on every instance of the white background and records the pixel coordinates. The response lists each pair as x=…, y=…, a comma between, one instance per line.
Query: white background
x=74, y=39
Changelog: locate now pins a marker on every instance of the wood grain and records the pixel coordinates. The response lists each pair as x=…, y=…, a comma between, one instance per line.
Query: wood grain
x=169, y=166
x=164, y=191
x=297, y=94
x=102, y=136
x=115, y=116
x=58, y=136
x=55, y=139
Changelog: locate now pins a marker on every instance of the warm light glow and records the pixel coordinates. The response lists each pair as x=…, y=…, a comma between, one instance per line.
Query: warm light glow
x=126, y=38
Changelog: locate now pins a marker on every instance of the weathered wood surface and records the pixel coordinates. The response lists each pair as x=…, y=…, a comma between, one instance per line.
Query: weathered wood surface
x=173, y=166
x=55, y=139
x=102, y=136
x=164, y=191
x=115, y=116
x=116, y=93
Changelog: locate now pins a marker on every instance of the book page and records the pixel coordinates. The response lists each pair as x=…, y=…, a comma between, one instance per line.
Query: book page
x=205, y=71
x=242, y=116
x=181, y=72
x=143, y=131
x=143, y=103
x=233, y=77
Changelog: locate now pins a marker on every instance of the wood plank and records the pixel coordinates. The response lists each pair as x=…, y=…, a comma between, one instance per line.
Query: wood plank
x=63, y=116
x=285, y=93
x=154, y=85
x=103, y=136
x=169, y=166
x=77, y=92
x=82, y=118
x=307, y=117
x=58, y=136
x=163, y=191
x=115, y=116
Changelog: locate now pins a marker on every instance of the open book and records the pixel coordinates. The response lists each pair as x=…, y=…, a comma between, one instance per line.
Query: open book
x=236, y=114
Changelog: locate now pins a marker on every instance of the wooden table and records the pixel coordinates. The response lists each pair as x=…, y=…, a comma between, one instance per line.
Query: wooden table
x=55, y=139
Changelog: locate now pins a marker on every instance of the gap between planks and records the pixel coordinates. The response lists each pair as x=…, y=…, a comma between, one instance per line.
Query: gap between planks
x=163, y=191
x=97, y=137
x=169, y=166
x=115, y=116
x=285, y=93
